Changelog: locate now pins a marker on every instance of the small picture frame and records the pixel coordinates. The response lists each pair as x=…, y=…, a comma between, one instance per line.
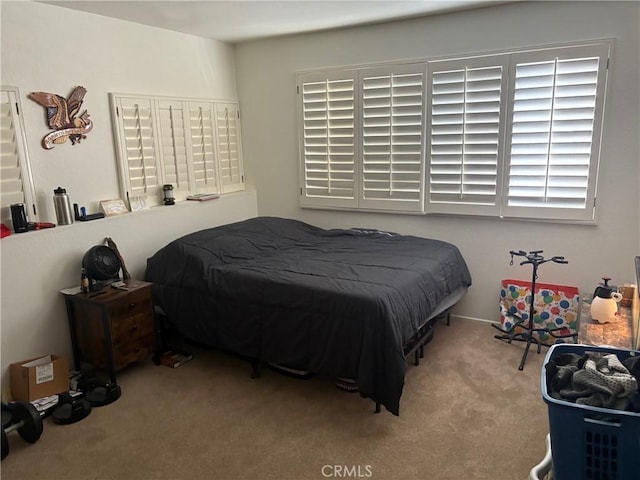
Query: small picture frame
x=138, y=203
x=113, y=207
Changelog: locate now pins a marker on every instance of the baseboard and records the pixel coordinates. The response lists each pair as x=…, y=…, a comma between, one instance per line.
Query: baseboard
x=464, y=317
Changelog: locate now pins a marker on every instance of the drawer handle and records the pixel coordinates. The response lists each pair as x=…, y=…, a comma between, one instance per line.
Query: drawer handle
x=133, y=329
x=132, y=305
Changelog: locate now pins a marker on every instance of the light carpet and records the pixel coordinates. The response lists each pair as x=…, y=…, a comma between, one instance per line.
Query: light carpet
x=466, y=413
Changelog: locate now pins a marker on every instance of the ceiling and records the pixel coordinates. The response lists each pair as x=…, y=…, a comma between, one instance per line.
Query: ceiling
x=241, y=20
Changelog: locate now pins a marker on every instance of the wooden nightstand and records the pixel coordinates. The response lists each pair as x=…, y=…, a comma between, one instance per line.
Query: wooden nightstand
x=112, y=328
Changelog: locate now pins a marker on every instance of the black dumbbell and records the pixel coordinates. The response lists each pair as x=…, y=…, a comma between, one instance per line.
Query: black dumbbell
x=25, y=419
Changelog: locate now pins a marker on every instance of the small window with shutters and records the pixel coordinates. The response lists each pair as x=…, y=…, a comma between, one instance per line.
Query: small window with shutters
x=194, y=145
x=16, y=184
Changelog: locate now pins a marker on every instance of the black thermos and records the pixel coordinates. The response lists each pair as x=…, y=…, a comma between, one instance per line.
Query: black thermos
x=19, y=218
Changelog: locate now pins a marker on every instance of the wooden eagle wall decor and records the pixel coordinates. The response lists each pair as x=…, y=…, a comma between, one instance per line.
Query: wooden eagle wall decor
x=62, y=117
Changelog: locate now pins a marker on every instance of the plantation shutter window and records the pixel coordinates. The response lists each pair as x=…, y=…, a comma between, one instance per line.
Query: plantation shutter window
x=465, y=145
x=16, y=185
x=229, y=142
x=173, y=146
x=392, y=138
x=503, y=134
x=328, y=107
x=554, y=135
x=139, y=162
x=201, y=121
x=193, y=144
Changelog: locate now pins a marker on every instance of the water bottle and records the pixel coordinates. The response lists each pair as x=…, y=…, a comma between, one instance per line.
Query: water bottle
x=84, y=281
x=19, y=218
x=62, y=207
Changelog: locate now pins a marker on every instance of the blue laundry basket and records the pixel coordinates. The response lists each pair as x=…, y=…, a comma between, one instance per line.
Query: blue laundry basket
x=591, y=443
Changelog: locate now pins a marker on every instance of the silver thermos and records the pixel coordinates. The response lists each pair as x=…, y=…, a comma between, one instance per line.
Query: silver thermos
x=62, y=206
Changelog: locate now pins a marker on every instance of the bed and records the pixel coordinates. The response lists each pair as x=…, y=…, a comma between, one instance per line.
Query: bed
x=345, y=303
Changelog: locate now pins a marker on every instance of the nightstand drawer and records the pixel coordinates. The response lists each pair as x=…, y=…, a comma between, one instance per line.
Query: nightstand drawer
x=132, y=327
x=133, y=351
x=138, y=301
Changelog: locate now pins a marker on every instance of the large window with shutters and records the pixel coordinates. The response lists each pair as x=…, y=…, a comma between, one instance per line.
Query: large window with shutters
x=511, y=134
x=194, y=145
x=16, y=184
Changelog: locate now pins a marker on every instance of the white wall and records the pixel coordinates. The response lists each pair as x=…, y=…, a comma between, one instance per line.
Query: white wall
x=53, y=49
x=266, y=85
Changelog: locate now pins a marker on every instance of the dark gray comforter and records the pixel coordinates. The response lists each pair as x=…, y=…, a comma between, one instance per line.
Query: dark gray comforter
x=334, y=302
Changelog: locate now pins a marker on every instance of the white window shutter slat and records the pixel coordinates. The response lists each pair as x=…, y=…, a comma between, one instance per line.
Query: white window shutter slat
x=554, y=132
x=229, y=147
x=392, y=121
x=16, y=183
x=327, y=107
x=202, y=136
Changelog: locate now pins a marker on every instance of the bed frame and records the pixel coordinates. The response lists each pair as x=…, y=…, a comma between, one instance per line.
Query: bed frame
x=414, y=347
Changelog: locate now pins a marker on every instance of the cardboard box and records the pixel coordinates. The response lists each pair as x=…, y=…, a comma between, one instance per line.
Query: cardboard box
x=39, y=377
